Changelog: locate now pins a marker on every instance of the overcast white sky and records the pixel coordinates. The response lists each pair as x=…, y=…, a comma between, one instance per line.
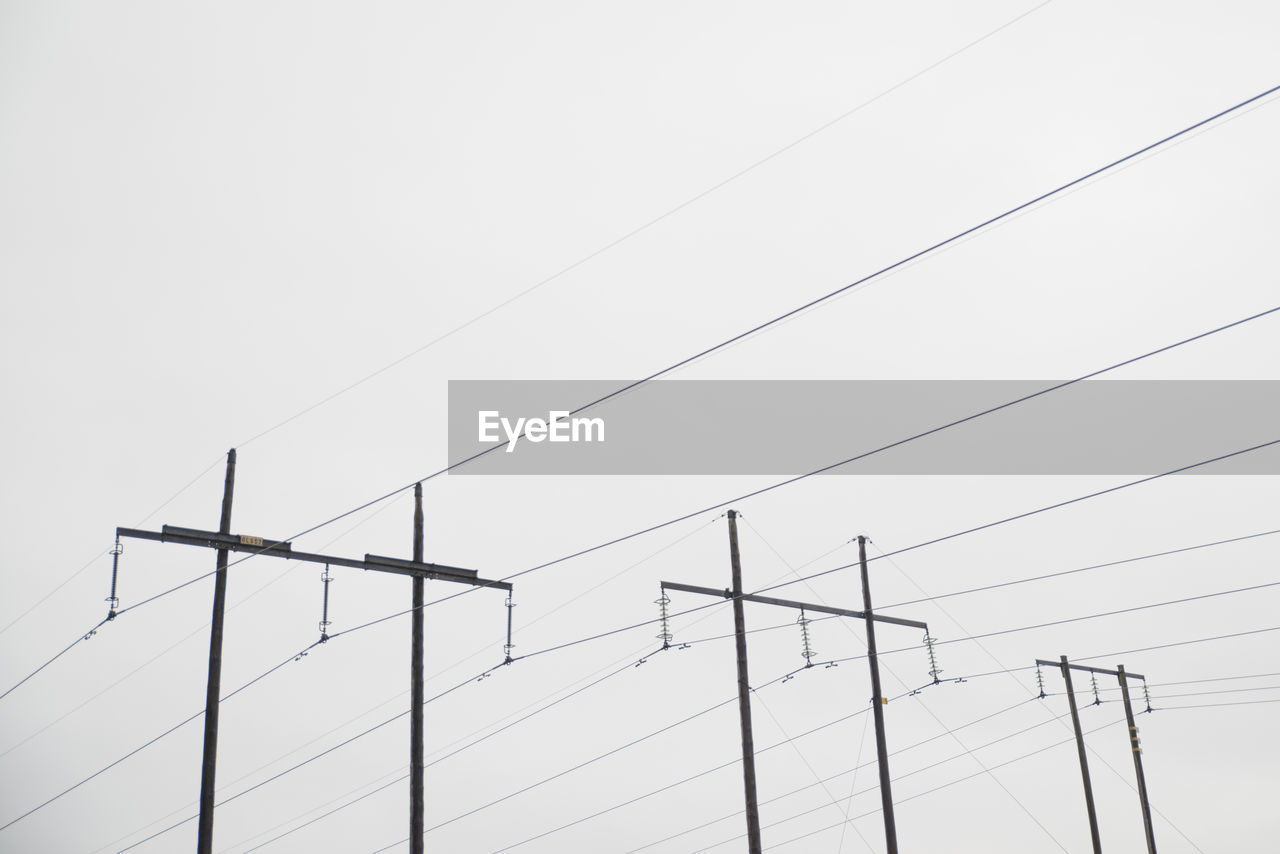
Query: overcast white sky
x=216, y=215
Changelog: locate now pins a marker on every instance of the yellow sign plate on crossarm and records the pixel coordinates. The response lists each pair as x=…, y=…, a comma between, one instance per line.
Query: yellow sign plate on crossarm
x=250, y=541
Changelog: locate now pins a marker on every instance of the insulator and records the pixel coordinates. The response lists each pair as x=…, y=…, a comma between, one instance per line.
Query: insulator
x=807, y=651
x=1093, y=677
x=113, y=601
x=1040, y=682
x=508, y=646
x=934, y=669
x=664, y=619
x=325, y=622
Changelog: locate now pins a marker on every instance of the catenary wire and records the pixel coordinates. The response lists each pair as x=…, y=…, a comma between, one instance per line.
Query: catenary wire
x=935, y=597
x=805, y=307
x=140, y=748
x=772, y=322
x=275, y=777
x=658, y=219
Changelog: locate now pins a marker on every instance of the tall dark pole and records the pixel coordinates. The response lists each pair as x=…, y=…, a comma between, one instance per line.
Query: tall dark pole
x=744, y=693
x=1084, y=760
x=1137, y=762
x=877, y=708
x=213, y=694
x=417, y=825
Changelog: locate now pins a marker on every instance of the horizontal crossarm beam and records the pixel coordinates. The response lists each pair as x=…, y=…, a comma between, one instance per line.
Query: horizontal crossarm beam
x=1087, y=669
x=787, y=603
x=279, y=548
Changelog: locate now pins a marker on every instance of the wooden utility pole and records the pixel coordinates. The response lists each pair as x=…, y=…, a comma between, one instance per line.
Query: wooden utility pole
x=417, y=766
x=877, y=707
x=744, y=693
x=224, y=542
x=1084, y=759
x=744, y=688
x=213, y=693
x=1136, y=747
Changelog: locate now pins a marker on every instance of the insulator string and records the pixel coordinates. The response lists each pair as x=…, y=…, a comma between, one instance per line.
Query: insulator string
x=325, y=578
x=664, y=618
x=508, y=646
x=934, y=669
x=113, y=601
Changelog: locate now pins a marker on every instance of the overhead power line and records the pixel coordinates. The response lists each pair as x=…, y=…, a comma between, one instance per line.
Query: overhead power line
x=805, y=307
x=652, y=222
x=1065, y=572
x=152, y=741
x=964, y=779
x=311, y=759
x=1038, y=510
x=83, y=637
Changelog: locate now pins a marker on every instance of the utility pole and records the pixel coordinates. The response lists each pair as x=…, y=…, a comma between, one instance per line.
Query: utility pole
x=1136, y=747
x=1123, y=677
x=744, y=692
x=224, y=542
x=417, y=766
x=744, y=697
x=877, y=706
x=1084, y=759
x=213, y=693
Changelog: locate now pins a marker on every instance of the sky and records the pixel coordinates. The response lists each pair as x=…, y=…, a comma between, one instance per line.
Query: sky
x=286, y=227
